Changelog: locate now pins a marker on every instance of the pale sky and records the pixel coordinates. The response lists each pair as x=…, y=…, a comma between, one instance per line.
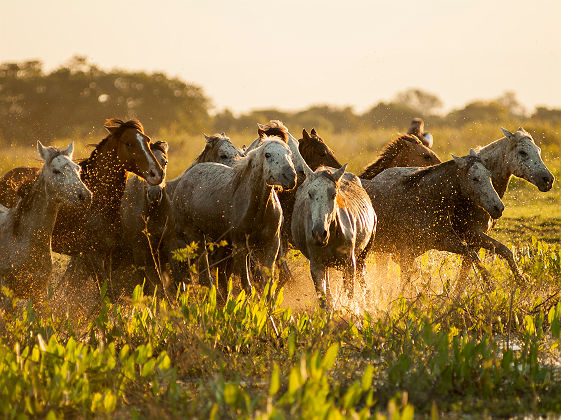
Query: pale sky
x=291, y=54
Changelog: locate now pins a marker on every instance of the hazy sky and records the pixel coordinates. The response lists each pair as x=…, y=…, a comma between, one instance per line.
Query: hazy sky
x=290, y=54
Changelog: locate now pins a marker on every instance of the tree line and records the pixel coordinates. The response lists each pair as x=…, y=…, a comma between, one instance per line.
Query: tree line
x=70, y=100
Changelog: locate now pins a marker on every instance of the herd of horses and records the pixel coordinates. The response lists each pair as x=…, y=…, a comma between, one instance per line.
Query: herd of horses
x=245, y=208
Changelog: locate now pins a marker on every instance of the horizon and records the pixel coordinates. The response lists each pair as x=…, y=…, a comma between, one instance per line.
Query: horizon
x=247, y=56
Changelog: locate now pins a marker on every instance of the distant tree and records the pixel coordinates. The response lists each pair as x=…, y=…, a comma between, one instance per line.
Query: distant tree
x=550, y=115
x=510, y=102
x=77, y=96
x=390, y=115
x=479, y=111
x=423, y=102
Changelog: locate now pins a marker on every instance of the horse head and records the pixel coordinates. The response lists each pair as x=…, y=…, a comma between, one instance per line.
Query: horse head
x=524, y=159
x=315, y=152
x=276, y=158
x=325, y=202
x=62, y=176
x=219, y=148
x=132, y=148
x=475, y=184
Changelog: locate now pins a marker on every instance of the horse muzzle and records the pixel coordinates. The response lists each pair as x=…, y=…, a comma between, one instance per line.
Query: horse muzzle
x=496, y=211
x=546, y=183
x=320, y=236
x=155, y=176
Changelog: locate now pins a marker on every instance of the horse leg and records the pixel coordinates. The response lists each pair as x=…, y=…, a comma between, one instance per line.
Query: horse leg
x=361, y=276
x=320, y=276
x=284, y=271
x=461, y=279
x=453, y=243
x=241, y=265
x=485, y=241
x=349, y=276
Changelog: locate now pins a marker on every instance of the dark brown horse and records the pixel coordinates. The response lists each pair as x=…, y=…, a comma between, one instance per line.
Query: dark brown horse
x=405, y=150
x=315, y=152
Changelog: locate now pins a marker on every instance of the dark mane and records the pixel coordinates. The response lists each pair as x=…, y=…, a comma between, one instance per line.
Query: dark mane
x=274, y=128
x=116, y=127
x=421, y=173
x=160, y=145
x=388, y=153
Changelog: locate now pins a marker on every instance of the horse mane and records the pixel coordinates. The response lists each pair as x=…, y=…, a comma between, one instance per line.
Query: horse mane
x=388, y=153
x=274, y=128
x=350, y=194
x=421, y=173
x=117, y=128
x=25, y=192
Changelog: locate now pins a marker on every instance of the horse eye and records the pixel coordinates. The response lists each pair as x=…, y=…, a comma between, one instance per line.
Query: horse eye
x=323, y=153
x=267, y=155
x=56, y=171
x=128, y=144
x=223, y=156
x=310, y=195
x=522, y=153
x=427, y=157
x=475, y=179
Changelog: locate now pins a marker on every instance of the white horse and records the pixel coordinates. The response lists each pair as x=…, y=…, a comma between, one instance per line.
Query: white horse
x=417, y=208
x=514, y=154
x=332, y=224
x=239, y=204
x=218, y=148
x=26, y=229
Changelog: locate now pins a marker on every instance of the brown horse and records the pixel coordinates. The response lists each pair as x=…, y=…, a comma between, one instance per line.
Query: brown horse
x=315, y=152
x=405, y=150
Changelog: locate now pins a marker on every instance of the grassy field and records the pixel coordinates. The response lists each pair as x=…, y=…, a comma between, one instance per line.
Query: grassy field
x=484, y=353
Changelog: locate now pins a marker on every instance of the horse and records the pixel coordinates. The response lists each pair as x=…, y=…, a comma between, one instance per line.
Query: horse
x=219, y=149
x=404, y=150
x=315, y=152
x=514, y=154
x=417, y=208
x=145, y=218
x=238, y=204
x=26, y=229
x=332, y=225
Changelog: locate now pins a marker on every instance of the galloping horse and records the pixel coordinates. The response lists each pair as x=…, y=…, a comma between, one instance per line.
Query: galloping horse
x=417, y=208
x=332, y=225
x=514, y=154
x=238, y=204
x=26, y=229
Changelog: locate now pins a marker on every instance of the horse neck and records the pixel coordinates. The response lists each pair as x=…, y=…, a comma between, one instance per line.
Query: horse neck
x=439, y=183
x=37, y=221
x=106, y=178
x=492, y=157
x=251, y=190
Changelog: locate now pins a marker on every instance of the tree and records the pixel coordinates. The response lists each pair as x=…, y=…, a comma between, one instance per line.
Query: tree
x=510, y=102
x=423, y=102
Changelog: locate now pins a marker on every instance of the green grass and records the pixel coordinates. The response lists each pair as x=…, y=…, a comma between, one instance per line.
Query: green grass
x=484, y=353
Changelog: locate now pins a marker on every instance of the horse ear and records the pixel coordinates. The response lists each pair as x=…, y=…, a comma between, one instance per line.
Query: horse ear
x=69, y=151
x=459, y=161
x=473, y=153
x=163, y=145
x=44, y=152
x=313, y=132
x=223, y=134
x=521, y=129
x=207, y=138
x=261, y=132
x=305, y=135
x=111, y=127
x=338, y=174
x=507, y=133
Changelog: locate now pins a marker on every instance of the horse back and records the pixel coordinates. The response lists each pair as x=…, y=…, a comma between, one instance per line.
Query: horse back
x=14, y=184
